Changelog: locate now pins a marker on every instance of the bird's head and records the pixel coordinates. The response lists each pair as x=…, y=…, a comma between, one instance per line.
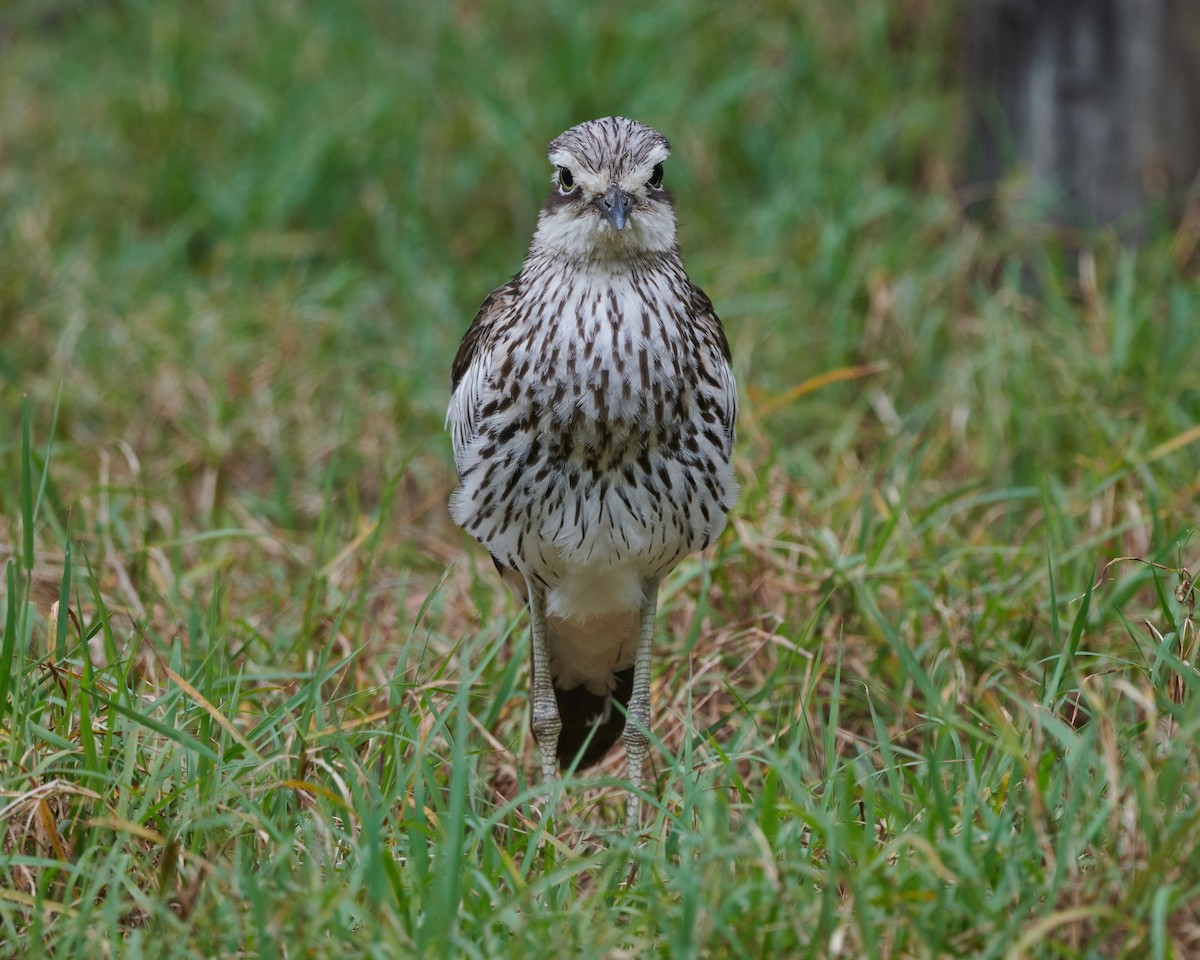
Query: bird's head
x=607, y=199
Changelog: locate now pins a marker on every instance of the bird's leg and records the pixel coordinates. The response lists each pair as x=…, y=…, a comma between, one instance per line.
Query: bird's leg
x=546, y=722
x=637, y=718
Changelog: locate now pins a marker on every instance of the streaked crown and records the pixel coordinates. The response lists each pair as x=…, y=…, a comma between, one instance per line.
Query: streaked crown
x=613, y=146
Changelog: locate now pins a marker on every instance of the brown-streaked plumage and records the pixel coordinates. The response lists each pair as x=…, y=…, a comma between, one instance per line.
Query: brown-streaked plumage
x=592, y=419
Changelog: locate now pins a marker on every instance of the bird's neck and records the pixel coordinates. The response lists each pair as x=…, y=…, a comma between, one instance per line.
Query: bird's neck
x=598, y=266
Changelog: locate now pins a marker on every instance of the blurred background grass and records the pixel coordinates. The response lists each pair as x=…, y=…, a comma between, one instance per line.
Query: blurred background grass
x=239, y=243
x=220, y=219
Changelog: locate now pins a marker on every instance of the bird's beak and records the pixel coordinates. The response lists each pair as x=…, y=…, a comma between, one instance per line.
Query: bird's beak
x=615, y=204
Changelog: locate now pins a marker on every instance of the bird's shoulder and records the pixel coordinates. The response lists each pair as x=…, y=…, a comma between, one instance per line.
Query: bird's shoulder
x=495, y=307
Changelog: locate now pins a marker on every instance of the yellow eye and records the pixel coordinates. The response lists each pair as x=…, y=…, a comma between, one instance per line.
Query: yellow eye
x=565, y=180
x=656, y=176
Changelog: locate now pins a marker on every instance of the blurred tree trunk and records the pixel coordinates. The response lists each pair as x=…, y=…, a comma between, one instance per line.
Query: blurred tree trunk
x=1098, y=101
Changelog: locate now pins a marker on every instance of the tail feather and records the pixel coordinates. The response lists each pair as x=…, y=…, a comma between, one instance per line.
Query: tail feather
x=591, y=722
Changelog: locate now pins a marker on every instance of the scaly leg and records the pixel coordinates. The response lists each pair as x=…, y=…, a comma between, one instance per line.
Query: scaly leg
x=637, y=718
x=546, y=722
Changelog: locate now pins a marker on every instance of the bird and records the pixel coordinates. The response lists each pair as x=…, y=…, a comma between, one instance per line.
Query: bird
x=592, y=418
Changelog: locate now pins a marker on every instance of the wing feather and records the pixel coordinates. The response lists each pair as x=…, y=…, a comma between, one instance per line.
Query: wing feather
x=706, y=318
x=498, y=302
x=472, y=364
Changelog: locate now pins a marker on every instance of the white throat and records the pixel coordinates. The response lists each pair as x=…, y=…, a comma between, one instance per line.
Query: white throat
x=585, y=235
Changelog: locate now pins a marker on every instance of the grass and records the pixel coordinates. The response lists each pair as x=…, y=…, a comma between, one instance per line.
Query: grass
x=259, y=697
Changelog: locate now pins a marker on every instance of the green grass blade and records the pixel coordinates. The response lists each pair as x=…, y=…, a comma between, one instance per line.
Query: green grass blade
x=8, y=642
x=27, y=515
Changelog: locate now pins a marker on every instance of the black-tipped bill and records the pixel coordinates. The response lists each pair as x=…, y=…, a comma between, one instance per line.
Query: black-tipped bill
x=615, y=205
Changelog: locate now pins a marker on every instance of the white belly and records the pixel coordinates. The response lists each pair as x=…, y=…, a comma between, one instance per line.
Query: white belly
x=587, y=592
